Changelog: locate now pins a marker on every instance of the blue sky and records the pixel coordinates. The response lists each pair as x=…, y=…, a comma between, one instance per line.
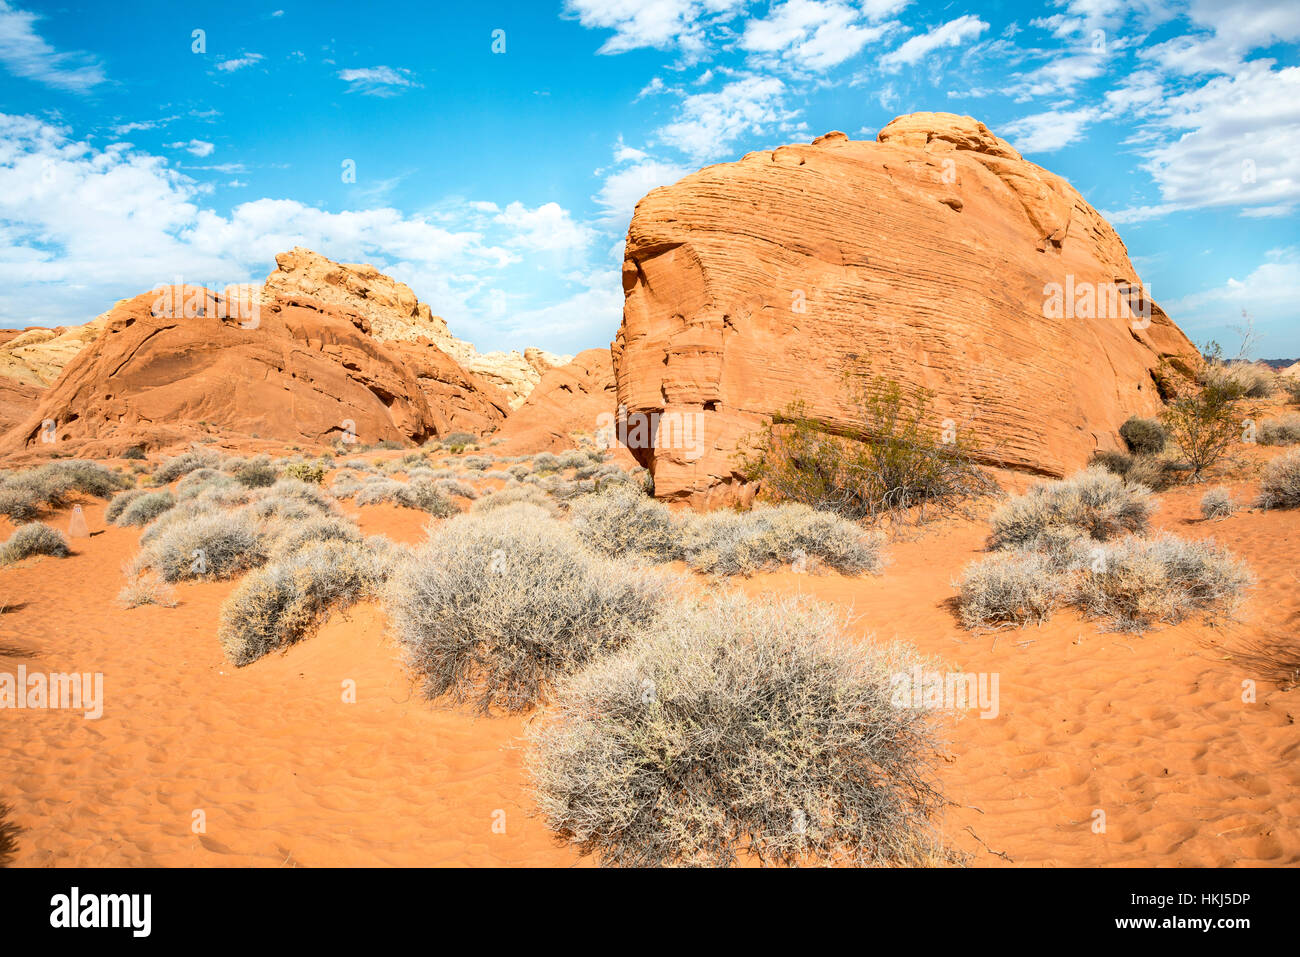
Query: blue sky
x=499, y=148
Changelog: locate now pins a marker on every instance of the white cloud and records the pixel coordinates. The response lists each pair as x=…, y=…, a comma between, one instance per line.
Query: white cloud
x=661, y=24
x=196, y=147
x=24, y=53
x=549, y=228
x=1230, y=142
x=1049, y=131
x=708, y=124
x=623, y=188
x=951, y=34
x=59, y=198
x=377, y=81
x=811, y=34
x=238, y=63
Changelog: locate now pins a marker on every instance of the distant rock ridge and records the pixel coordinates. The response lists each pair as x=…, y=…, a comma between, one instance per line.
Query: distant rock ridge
x=396, y=314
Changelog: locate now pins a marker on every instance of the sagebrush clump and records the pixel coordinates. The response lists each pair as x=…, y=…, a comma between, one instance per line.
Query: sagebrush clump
x=497, y=605
x=735, y=728
x=1217, y=503
x=1280, y=485
x=286, y=601
x=1009, y=588
x=34, y=538
x=1094, y=502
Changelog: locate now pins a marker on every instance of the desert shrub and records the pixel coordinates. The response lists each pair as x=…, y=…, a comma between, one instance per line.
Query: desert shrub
x=454, y=487
x=1155, y=472
x=313, y=473
x=736, y=728
x=1094, y=502
x=34, y=538
x=320, y=528
x=742, y=543
x=1140, y=582
x=496, y=606
x=1008, y=588
x=256, y=474
x=1143, y=436
x=144, y=509
x=134, y=452
x=119, y=503
x=901, y=455
x=1283, y=431
x=418, y=495
x=179, y=465
x=19, y=503
x=461, y=439
x=200, y=545
x=1279, y=487
x=1204, y=424
x=477, y=463
x=1217, y=503
x=565, y=490
x=520, y=471
x=286, y=601
x=1291, y=386
x=514, y=495
x=622, y=521
x=546, y=462
x=1244, y=379
x=146, y=590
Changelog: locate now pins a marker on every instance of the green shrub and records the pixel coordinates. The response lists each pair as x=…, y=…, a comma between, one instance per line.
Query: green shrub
x=1143, y=436
x=421, y=495
x=313, y=473
x=734, y=728
x=900, y=455
x=496, y=606
x=1093, y=502
x=515, y=495
x=33, y=539
x=1204, y=424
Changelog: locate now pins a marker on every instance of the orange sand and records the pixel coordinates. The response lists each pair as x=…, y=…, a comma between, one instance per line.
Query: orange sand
x=1150, y=729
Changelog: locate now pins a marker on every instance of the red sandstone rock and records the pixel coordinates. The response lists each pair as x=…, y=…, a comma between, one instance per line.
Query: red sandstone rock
x=928, y=253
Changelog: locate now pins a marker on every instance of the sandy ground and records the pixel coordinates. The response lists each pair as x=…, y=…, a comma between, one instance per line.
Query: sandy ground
x=283, y=771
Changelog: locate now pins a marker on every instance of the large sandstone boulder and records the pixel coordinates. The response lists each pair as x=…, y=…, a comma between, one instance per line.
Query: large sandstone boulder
x=931, y=254
x=396, y=315
x=302, y=372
